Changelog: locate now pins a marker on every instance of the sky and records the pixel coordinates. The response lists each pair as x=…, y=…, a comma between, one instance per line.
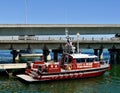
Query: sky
x=60, y=12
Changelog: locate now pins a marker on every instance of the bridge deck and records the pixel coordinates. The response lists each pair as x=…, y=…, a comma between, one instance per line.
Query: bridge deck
x=53, y=42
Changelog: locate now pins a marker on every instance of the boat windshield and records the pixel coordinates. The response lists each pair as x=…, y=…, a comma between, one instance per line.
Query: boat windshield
x=90, y=60
x=81, y=60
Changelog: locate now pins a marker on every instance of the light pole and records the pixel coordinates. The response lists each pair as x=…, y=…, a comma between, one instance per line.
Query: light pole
x=78, y=35
x=66, y=32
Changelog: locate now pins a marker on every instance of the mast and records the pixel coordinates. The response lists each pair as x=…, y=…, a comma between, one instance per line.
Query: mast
x=69, y=48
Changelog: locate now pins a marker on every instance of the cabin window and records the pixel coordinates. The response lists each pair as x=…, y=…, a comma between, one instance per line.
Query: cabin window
x=67, y=59
x=80, y=60
x=90, y=60
x=96, y=59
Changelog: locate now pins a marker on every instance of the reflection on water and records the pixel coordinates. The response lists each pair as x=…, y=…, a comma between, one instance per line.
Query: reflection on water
x=107, y=83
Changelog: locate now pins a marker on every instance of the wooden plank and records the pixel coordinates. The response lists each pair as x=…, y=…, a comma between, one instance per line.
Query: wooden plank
x=13, y=66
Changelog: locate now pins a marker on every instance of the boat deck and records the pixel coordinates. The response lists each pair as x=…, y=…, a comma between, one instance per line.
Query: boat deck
x=26, y=78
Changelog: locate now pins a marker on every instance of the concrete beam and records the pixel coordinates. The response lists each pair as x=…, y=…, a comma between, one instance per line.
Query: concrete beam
x=54, y=44
x=57, y=29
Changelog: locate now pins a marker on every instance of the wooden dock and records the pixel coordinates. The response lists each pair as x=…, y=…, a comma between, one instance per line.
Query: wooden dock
x=13, y=66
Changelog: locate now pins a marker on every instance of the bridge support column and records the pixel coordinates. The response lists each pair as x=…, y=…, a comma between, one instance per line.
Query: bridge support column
x=45, y=53
x=113, y=56
x=55, y=51
x=96, y=52
x=29, y=49
x=118, y=56
x=14, y=53
x=100, y=54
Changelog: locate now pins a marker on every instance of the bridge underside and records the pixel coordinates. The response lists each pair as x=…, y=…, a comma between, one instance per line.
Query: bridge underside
x=55, y=44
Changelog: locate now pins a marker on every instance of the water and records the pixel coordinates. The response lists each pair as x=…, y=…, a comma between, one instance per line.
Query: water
x=5, y=56
x=107, y=83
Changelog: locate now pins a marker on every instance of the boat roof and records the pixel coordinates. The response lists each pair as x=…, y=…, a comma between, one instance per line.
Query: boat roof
x=80, y=55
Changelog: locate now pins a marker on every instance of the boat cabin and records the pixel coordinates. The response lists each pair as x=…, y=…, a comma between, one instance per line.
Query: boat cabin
x=68, y=62
x=79, y=61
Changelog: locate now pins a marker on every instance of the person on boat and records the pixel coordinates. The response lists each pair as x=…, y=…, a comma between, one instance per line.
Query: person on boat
x=44, y=68
x=42, y=58
x=39, y=69
x=28, y=65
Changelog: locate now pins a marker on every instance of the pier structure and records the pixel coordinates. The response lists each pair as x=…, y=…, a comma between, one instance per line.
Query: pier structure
x=57, y=46
x=30, y=40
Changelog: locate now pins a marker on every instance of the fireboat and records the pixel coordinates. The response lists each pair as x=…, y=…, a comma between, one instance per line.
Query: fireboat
x=73, y=65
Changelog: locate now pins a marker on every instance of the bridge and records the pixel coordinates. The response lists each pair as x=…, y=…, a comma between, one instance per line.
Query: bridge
x=14, y=30
x=57, y=29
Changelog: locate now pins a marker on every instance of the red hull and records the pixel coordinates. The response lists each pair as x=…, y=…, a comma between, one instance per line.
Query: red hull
x=32, y=75
x=72, y=75
x=93, y=74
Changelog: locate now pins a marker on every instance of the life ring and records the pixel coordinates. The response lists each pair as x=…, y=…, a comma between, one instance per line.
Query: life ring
x=68, y=67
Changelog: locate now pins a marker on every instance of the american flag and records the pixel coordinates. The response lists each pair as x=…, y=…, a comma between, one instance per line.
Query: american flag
x=68, y=42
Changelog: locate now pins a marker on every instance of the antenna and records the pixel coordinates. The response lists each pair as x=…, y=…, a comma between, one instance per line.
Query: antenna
x=26, y=11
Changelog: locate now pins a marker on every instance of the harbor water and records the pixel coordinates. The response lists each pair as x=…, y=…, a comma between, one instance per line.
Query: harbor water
x=107, y=83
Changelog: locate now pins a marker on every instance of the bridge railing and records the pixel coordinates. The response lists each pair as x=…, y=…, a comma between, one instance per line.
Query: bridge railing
x=53, y=38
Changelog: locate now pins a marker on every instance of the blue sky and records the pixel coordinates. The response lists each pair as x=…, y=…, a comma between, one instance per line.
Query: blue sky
x=60, y=11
